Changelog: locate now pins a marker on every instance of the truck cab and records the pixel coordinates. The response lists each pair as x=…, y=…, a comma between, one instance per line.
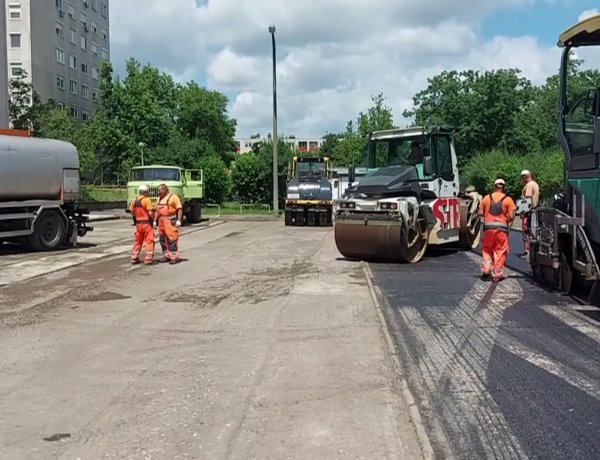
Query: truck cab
x=187, y=184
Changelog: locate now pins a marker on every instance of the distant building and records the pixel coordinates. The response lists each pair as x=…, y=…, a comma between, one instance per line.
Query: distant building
x=300, y=144
x=59, y=47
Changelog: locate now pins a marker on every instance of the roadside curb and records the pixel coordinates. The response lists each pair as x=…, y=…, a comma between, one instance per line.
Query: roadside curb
x=407, y=396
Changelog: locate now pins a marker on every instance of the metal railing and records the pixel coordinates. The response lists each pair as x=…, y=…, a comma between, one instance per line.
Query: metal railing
x=211, y=205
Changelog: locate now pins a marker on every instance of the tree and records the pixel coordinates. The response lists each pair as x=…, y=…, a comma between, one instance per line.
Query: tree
x=25, y=108
x=217, y=182
x=349, y=150
x=485, y=106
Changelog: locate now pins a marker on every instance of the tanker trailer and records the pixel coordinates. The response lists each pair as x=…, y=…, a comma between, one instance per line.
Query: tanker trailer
x=39, y=189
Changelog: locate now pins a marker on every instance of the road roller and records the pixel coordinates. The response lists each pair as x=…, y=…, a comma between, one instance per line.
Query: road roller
x=565, y=229
x=409, y=198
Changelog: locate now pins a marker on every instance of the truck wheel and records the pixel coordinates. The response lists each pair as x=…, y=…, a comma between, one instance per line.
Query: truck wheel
x=195, y=213
x=49, y=232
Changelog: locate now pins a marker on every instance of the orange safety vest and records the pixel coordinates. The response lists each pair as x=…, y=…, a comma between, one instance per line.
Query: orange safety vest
x=142, y=216
x=495, y=218
x=162, y=207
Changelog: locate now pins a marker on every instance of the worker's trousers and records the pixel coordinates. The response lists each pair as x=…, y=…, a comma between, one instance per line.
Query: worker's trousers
x=169, y=238
x=494, y=250
x=143, y=236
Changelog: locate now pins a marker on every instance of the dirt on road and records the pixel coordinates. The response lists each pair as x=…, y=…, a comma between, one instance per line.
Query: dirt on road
x=261, y=344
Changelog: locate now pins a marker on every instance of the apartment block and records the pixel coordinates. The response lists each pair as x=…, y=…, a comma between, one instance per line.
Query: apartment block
x=304, y=144
x=59, y=46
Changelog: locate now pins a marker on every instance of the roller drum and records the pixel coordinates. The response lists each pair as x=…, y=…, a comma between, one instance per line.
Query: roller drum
x=372, y=242
x=33, y=168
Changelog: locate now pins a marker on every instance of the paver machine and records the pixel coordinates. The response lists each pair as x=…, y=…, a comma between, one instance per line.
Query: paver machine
x=565, y=231
x=309, y=198
x=410, y=198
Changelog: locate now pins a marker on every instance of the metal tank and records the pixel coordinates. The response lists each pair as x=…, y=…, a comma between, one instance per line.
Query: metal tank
x=35, y=169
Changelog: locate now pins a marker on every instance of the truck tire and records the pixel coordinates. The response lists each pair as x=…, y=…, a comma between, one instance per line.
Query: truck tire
x=195, y=213
x=49, y=232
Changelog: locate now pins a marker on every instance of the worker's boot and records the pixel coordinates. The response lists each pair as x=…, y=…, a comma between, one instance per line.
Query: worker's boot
x=486, y=276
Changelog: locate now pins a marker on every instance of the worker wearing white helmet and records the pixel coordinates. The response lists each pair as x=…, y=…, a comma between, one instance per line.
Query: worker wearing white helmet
x=530, y=190
x=497, y=211
x=143, y=213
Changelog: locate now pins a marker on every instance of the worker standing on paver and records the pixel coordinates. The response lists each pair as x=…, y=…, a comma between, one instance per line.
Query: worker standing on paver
x=530, y=190
x=498, y=211
x=169, y=214
x=143, y=212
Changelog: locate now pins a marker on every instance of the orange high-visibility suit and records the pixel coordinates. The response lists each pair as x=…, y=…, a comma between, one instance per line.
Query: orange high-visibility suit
x=143, y=211
x=498, y=211
x=166, y=210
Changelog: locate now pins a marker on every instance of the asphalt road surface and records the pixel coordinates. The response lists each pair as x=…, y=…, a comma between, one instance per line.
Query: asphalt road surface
x=506, y=370
x=261, y=344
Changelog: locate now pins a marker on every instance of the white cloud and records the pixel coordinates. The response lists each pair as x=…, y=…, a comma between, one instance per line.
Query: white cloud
x=332, y=54
x=588, y=14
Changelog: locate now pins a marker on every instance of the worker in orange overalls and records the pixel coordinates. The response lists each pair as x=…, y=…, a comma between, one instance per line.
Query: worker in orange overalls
x=143, y=211
x=169, y=214
x=498, y=211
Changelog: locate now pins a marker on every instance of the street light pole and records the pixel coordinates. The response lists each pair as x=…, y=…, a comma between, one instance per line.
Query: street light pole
x=141, y=145
x=275, y=162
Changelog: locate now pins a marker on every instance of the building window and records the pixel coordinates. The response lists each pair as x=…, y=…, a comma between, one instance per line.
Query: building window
x=16, y=69
x=73, y=62
x=105, y=54
x=85, y=91
x=72, y=36
x=60, y=82
x=94, y=27
x=60, y=56
x=83, y=43
x=84, y=68
x=94, y=73
x=60, y=104
x=103, y=34
x=15, y=40
x=59, y=4
x=85, y=116
x=94, y=95
x=14, y=11
x=73, y=86
x=95, y=5
x=94, y=48
x=71, y=11
x=60, y=31
x=83, y=20
x=104, y=10
x=74, y=112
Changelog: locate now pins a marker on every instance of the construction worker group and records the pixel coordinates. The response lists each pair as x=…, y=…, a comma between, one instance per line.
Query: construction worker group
x=497, y=211
x=166, y=216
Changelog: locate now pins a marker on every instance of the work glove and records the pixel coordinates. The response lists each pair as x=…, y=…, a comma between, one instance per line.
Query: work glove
x=154, y=224
x=178, y=223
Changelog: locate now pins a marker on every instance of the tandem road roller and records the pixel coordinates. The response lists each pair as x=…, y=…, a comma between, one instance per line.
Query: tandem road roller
x=410, y=198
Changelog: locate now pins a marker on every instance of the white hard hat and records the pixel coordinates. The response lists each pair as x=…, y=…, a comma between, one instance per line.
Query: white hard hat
x=526, y=172
x=143, y=188
x=499, y=182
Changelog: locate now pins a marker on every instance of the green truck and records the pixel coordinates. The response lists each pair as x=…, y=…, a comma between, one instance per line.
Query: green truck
x=188, y=184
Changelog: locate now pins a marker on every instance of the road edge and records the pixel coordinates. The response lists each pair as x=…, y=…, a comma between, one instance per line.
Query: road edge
x=407, y=396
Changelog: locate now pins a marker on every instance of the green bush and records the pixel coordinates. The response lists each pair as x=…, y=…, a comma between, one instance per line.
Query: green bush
x=216, y=179
x=248, y=176
x=484, y=168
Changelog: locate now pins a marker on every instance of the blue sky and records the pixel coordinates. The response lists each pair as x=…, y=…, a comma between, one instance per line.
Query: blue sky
x=333, y=55
x=542, y=20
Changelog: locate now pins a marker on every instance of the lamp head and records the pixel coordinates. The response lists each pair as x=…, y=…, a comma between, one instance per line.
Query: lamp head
x=271, y=29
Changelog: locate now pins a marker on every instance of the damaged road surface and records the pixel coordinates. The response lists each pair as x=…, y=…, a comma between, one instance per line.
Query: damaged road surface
x=500, y=371
x=261, y=344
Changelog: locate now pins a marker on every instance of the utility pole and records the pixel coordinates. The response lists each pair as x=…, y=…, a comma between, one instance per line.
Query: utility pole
x=275, y=162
